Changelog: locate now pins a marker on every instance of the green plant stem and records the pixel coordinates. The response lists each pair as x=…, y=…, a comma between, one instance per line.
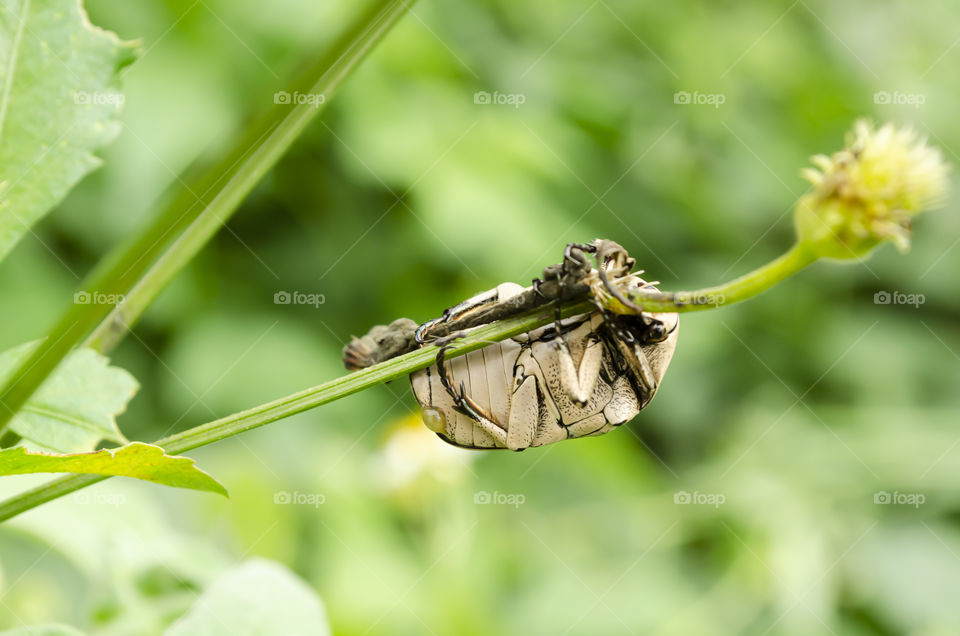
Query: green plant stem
x=140, y=269
x=742, y=288
x=298, y=402
x=747, y=286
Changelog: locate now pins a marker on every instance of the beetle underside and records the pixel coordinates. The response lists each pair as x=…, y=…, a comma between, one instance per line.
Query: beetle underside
x=578, y=377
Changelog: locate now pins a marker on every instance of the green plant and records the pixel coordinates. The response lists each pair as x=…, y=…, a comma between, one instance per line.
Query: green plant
x=115, y=294
x=865, y=196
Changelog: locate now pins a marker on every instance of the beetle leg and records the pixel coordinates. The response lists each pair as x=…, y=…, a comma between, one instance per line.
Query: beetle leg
x=573, y=269
x=524, y=414
x=624, y=404
x=464, y=404
x=460, y=311
x=626, y=340
x=454, y=313
x=576, y=253
x=612, y=258
x=575, y=266
x=422, y=333
x=579, y=384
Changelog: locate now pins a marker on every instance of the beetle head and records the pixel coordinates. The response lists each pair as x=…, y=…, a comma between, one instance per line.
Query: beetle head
x=646, y=342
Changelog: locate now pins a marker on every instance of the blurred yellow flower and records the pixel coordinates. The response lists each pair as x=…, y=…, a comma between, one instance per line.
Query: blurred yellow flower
x=868, y=192
x=413, y=456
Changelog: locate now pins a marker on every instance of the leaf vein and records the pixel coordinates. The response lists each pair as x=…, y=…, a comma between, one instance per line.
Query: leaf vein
x=67, y=419
x=12, y=64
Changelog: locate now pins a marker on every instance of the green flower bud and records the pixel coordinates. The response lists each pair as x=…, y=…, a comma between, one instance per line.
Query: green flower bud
x=867, y=193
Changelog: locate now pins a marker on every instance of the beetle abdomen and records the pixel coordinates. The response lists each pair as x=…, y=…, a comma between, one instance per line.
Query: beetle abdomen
x=487, y=377
x=491, y=377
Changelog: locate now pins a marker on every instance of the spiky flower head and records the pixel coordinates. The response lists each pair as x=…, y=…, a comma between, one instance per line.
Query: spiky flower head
x=867, y=193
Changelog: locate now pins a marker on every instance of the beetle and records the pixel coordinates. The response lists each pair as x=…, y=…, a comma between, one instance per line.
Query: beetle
x=579, y=376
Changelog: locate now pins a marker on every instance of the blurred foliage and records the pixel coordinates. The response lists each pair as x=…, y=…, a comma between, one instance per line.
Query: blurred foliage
x=59, y=105
x=798, y=408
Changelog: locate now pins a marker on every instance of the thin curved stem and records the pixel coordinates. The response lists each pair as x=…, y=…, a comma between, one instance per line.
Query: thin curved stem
x=739, y=289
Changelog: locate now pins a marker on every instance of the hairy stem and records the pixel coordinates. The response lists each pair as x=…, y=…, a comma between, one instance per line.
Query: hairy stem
x=139, y=270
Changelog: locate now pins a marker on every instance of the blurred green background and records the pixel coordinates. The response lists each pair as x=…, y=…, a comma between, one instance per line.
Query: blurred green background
x=793, y=413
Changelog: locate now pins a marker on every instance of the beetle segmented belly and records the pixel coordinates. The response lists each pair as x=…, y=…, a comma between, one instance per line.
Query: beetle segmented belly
x=487, y=376
x=492, y=377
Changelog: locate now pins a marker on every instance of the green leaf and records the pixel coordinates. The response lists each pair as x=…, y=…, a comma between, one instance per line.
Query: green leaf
x=58, y=103
x=255, y=597
x=137, y=460
x=76, y=407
